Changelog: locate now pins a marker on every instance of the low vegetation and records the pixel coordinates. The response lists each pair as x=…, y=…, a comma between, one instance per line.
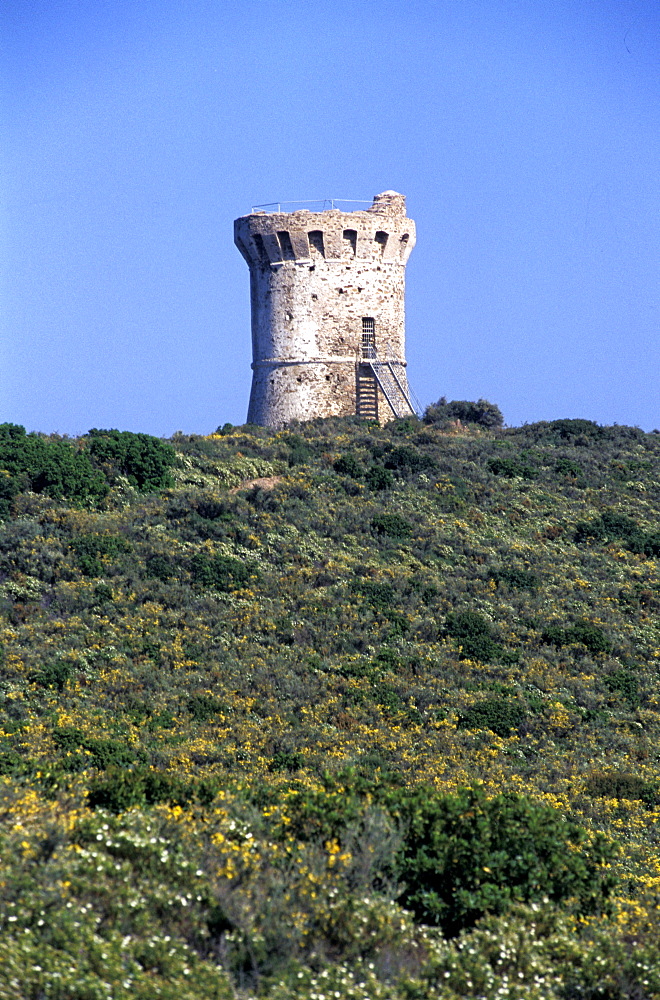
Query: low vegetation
x=333, y=711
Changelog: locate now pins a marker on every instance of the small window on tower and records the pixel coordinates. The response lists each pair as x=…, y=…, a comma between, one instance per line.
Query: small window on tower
x=286, y=246
x=349, y=244
x=262, y=253
x=368, y=337
x=316, y=243
x=381, y=239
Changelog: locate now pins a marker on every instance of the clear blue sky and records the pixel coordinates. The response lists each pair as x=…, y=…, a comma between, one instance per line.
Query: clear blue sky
x=525, y=134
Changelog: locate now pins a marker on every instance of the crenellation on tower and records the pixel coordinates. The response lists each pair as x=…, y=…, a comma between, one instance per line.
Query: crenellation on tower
x=327, y=294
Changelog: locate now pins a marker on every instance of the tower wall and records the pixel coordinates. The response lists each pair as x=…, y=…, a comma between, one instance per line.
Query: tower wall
x=314, y=278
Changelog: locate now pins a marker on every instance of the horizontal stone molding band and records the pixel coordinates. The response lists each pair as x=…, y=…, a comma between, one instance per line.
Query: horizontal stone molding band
x=287, y=362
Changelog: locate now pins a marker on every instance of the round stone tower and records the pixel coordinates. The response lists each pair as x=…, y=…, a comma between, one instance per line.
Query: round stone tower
x=328, y=322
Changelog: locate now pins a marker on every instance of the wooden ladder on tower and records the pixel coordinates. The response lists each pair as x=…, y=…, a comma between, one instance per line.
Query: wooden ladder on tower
x=367, y=393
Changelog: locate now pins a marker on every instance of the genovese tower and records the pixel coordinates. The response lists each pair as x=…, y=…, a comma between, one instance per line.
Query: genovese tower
x=328, y=315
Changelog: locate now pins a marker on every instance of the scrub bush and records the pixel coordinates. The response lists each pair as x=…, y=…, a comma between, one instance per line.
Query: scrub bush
x=121, y=789
x=498, y=714
x=381, y=596
x=89, y=550
x=218, y=572
x=610, y=526
x=55, y=468
x=348, y=465
x=56, y=674
x=159, y=567
x=392, y=525
x=567, y=467
x=379, y=478
x=591, y=636
x=482, y=412
x=511, y=468
x=464, y=856
x=144, y=460
x=623, y=785
x=624, y=683
x=406, y=459
x=475, y=635
x=515, y=578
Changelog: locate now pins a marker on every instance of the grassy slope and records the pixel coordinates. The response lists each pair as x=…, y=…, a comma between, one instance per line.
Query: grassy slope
x=245, y=641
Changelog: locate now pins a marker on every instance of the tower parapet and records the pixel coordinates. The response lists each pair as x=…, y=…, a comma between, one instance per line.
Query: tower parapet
x=327, y=295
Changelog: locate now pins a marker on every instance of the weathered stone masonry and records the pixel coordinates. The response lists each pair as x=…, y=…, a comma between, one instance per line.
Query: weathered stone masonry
x=327, y=289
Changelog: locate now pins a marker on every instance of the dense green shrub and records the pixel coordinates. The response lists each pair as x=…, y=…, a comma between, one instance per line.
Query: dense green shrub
x=159, y=566
x=85, y=751
x=591, y=636
x=392, y=525
x=381, y=596
x=11, y=763
x=10, y=487
x=90, y=549
x=482, y=412
x=204, y=707
x=515, y=578
x=407, y=459
x=610, y=526
x=55, y=674
x=103, y=593
x=219, y=572
x=465, y=855
x=576, y=432
x=567, y=467
x=624, y=683
x=144, y=460
x=122, y=788
x=623, y=785
x=379, y=478
x=511, y=468
x=348, y=465
x=649, y=544
x=475, y=635
x=286, y=760
x=299, y=451
x=501, y=715
x=614, y=526
x=320, y=814
x=56, y=468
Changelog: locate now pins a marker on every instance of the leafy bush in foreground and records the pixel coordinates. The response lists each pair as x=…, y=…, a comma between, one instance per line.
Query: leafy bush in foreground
x=464, y=856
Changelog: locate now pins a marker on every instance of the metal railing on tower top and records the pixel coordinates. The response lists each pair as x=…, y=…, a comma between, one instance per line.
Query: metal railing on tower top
x=326, y=205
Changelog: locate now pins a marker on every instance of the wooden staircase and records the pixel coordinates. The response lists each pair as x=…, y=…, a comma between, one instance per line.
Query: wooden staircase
x=367, y=393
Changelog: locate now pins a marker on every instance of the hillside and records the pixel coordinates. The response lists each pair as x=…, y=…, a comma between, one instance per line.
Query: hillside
x=339, y=711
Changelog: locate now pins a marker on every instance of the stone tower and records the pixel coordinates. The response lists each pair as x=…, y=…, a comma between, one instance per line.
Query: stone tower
x=328, y=322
